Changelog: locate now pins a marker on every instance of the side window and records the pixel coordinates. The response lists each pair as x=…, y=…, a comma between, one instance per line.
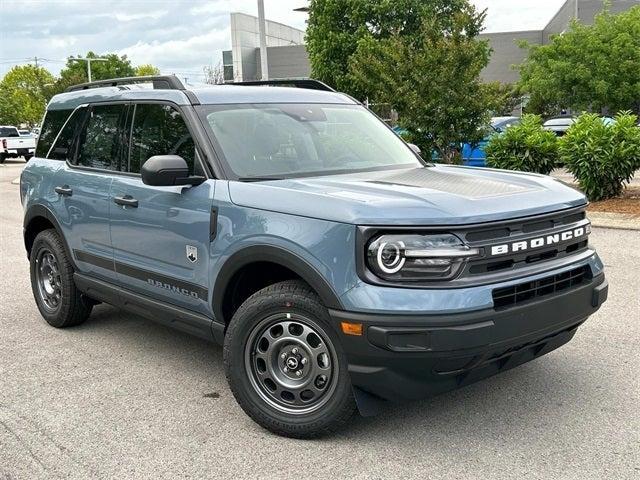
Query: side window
x=62, y=150
x=53, y=122
x=159, y=130
x=101, y=144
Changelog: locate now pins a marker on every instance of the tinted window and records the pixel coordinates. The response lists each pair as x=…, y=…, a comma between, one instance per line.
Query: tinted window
x=63, y=146
x=159, y=130
x=9, y=132
x=101, y=142
x=53, y=122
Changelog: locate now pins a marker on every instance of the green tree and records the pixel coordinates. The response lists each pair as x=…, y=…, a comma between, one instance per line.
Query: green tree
x=146, y=70
x=587, y=67
x=24, y=93
x=114, y=67
x=336, y=26
x=431, y=77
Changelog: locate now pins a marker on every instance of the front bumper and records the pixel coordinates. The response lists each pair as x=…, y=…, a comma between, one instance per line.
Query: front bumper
x=406, y=357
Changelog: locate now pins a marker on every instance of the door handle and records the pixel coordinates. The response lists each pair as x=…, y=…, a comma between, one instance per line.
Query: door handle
x=127, y=201
x=64, y=190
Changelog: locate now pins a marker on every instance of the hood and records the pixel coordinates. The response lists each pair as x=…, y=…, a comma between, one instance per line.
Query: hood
x=435, y=195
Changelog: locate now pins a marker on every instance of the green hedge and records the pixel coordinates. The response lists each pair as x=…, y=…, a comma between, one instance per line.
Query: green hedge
x=602, y=157
x=526, y=147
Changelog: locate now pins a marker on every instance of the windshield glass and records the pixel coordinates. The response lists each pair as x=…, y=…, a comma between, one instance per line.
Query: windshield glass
x=289, y=140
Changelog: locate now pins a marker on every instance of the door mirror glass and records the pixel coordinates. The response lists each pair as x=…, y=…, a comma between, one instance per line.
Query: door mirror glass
x=168, y=170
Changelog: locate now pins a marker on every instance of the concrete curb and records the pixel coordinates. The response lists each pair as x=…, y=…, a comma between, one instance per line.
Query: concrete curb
x=620, y=221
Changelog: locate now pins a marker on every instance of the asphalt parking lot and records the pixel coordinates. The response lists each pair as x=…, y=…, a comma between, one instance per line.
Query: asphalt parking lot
x=121, y=397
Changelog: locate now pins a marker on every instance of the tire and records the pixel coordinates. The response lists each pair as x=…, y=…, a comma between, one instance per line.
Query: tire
x=27, y=157
x=2, y=158
x=51, y=279
x=293, y=309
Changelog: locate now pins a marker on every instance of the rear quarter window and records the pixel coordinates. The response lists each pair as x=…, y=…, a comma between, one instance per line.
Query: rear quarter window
x=53, y=122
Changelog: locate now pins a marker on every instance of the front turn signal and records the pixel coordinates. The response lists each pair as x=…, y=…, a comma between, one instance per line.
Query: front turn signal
x=349, y=328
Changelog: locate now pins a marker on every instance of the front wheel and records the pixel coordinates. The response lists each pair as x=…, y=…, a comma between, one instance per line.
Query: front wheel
x=285, y=365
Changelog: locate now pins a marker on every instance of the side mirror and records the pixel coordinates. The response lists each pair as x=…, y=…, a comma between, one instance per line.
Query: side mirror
x=167, y=171
x=414, y=148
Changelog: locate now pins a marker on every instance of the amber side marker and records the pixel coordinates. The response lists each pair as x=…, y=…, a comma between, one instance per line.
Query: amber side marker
x=351, y=328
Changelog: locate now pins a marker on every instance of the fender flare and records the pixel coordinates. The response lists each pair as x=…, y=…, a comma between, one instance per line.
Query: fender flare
x=39, y=210
x=280, y=256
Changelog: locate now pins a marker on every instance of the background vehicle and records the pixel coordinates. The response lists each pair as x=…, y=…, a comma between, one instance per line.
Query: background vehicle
x=474, y=155
x=292, y=226
x=559, y=125
x=25, y=133
x=13, y=145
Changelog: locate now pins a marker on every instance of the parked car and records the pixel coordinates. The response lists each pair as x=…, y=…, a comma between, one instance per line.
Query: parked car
x=473, y=155
x=13, y=145
x=559, y=125
x=292, y=226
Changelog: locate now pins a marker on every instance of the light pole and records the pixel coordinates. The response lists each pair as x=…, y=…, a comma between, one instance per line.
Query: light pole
x=89, y=60
x=262, y=32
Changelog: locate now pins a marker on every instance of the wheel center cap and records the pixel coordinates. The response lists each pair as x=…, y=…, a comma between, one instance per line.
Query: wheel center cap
x=292, y=363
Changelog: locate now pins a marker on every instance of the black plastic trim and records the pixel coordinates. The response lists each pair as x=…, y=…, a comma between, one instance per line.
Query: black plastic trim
x=160, y=82
x=269, y=253
x=308, y=83
x=161, y=312
x=213, y=224
x=39, y=210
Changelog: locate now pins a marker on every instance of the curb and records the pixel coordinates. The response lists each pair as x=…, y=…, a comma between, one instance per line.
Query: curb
x=619, y=221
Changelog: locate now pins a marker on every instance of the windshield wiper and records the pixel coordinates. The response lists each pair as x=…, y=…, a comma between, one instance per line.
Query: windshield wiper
x=258, y=179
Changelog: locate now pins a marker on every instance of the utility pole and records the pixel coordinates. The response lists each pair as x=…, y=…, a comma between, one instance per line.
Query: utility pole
x=89, y=60
x=262, y=30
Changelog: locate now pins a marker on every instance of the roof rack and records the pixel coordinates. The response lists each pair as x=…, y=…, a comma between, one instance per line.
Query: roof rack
x=160, y=82
x=308, y=83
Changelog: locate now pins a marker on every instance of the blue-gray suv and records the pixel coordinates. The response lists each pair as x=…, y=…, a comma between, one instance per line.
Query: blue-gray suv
x=286, y=222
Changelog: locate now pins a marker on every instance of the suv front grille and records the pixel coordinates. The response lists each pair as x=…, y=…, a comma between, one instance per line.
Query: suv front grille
x=514, y=295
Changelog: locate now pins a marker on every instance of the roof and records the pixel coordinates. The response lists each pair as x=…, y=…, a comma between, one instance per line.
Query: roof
x=206, y=94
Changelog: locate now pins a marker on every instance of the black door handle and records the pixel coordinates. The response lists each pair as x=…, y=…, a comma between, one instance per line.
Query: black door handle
x=127, y=200
x=64, y=190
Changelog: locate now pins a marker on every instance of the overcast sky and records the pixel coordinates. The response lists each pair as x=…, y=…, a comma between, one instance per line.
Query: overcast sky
x=178, y=36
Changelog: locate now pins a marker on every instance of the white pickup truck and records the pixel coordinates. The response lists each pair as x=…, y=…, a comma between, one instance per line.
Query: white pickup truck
x=12, y=145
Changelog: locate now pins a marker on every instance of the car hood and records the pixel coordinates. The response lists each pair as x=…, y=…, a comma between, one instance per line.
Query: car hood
x=435, y=195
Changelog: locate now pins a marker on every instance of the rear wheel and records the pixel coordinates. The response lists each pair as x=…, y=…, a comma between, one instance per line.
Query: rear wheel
x=59, y=301
x=285, y=365
x=2, y=158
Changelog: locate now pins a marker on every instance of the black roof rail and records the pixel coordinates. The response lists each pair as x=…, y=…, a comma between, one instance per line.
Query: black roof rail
x=308, y=83
x=160, y=82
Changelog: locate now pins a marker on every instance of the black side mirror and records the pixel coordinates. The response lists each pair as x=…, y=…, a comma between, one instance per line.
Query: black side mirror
x=414, y=148
x=168, y=170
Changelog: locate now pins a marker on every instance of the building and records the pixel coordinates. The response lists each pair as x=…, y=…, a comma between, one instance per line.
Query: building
x=287, y=56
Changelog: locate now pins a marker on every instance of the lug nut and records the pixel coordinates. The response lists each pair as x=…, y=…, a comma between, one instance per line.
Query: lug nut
x=298, y=372
x=303, y=361
x=283, y=355
x=294, y=351
x=285, y=369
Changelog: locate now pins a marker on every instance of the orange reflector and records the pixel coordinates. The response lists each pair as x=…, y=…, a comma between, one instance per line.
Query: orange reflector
x=351, y=328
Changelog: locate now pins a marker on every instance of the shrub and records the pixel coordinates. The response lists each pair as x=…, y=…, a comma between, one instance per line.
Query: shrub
x=526, y=147
x=602, y=156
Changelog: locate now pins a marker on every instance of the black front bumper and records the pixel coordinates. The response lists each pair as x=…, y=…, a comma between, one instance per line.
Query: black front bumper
x=410, y=357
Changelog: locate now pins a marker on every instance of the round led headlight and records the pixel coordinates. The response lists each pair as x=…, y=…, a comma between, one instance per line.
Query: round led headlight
x=412, y=258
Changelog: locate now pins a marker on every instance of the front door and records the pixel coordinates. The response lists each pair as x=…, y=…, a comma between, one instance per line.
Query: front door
x=160, y=235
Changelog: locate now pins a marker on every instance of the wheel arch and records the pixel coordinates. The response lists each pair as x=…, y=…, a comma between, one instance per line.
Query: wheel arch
x=257, y=254
x=38, y=218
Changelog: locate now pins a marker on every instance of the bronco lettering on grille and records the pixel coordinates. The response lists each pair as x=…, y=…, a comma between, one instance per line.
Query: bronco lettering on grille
x=542, y=241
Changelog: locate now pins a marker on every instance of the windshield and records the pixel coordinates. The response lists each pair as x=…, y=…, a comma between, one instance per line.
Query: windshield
x=290, y=140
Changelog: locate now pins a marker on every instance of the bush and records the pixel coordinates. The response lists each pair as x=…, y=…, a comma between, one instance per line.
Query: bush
x=526, y=147
x=602, y=157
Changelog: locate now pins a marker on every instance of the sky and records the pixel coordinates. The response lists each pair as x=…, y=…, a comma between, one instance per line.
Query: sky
x=177, y=36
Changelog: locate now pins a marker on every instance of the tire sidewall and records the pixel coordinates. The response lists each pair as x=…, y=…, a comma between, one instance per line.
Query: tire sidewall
x=240, y=328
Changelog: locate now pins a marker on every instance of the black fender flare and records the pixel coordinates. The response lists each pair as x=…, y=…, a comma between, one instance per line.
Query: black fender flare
x=39, y=210
x=278, y=255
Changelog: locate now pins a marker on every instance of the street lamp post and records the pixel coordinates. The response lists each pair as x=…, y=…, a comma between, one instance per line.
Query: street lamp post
x=88, y=60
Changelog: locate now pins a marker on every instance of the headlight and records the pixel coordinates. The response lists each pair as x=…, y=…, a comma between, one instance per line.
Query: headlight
x=413, y=258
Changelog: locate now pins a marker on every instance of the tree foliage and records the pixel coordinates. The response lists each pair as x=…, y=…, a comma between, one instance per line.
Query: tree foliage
x=335, y=28
x=526, y=147
x=146, y=70
x=587, y=67
x=430, y=75
x=602, y=156
x=24, y=93
x=75, y=71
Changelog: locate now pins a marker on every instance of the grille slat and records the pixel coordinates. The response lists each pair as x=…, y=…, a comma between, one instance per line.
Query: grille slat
x=516, y=294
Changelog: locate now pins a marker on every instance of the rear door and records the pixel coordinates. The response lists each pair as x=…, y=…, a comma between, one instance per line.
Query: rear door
x=91, y=144
x=161, y=235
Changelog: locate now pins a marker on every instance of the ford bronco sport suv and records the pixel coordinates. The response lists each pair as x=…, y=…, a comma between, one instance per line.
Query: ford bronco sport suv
x=291, y=225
